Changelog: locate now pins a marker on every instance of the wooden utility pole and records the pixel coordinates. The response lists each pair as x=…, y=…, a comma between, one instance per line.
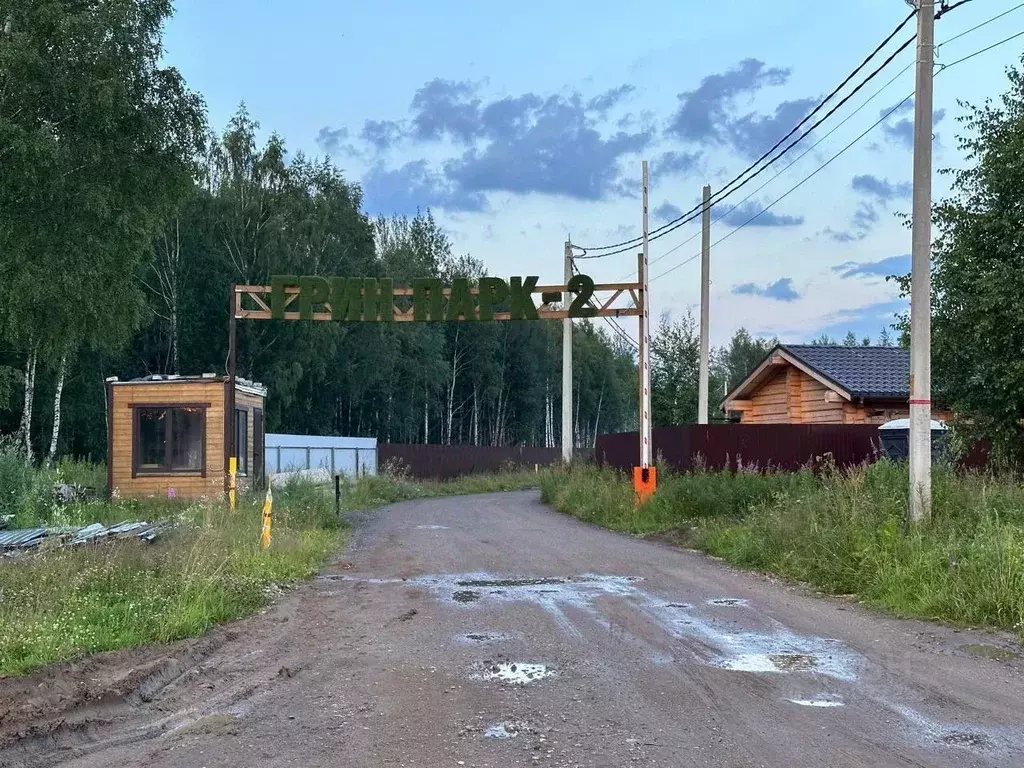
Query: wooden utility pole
x=567, y=364
x=705, y=290
x=920, y=276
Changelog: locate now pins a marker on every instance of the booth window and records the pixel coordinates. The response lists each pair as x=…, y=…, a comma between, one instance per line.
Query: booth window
x=242, y=440
x=169, y=439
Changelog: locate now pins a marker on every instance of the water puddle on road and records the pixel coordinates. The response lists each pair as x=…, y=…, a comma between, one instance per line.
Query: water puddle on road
x=969, y=736
x=484, y=637
x=718, y=642
x=514, y=672
x=506, y=730
x=824, y=703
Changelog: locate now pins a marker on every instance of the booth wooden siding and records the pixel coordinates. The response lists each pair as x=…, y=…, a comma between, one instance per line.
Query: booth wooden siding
x=253, y=406
x=124, y=396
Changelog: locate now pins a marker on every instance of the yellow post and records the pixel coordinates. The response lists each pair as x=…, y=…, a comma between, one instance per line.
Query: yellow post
x=268, y=504
x=232, y=470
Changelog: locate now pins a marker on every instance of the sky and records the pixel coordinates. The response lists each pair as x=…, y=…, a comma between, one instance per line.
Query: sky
x=518, y=129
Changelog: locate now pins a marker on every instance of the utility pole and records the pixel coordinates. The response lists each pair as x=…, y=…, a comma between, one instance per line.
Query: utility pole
x=567, y=363
x=920, y=276
x=705, y=290
x=644, y=476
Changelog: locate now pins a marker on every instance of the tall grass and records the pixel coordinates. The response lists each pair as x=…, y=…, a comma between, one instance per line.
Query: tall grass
x=61, y=603
x=842, y=532
x=56, y=603
x=605, y=497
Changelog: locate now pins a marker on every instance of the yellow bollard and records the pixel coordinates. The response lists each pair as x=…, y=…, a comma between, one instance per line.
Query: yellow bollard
x=268, y=504
x=232, y=472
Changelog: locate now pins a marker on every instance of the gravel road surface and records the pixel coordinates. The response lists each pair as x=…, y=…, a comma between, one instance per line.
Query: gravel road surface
x=491, y=631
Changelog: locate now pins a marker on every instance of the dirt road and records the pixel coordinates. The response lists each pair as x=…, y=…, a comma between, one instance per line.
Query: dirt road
x=490, y=631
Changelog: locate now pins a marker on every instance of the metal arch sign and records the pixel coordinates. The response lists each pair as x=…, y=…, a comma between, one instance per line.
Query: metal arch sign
x=370, y=299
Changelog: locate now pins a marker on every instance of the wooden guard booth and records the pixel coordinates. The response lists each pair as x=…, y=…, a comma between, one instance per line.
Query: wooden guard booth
x=168, y=436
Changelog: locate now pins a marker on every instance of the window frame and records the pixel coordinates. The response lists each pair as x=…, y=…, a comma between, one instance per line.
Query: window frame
x=242, y=451
x=165, y=470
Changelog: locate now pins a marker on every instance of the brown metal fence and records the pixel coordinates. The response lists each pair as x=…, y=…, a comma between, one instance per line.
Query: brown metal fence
x=720, y=446
x=442, y=462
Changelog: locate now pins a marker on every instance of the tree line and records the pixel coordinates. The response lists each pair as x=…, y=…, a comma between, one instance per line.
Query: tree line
x=124, y=220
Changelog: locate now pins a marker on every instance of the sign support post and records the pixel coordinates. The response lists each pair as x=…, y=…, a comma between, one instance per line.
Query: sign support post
x=645, y=475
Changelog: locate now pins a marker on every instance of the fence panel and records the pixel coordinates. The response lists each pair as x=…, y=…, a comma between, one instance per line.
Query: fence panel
x=443, y=462
x=328, y=454
x=720, y=446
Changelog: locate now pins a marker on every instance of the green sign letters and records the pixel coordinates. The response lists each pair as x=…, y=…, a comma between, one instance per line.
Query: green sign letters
x=370, y=299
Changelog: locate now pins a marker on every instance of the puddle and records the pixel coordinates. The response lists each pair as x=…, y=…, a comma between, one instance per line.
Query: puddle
x=506, y=730
x=970, y=736
x=729, y=601
x=817, y=702
x=989, y=651
x=772, y=662
x=515, y=672
x=718, y=642
x=481, y=583
x=966, y=739
x=484, y=637
x=364, y=579
x=431, y=527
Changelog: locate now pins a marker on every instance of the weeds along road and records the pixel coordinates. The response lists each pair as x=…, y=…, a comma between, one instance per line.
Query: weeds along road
x=491, y=631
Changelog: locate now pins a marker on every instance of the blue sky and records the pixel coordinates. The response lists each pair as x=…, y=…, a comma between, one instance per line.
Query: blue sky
x=519, y=127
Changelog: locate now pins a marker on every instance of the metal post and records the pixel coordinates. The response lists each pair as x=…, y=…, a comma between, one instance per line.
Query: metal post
x=705, y=290
x=337, y=495
x=229, y=396
x=567, y=364
x=645, y=343
x=644, y=477
x=920, y=279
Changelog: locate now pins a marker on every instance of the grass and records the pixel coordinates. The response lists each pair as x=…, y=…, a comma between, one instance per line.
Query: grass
x=58, y=604
x=842, y=532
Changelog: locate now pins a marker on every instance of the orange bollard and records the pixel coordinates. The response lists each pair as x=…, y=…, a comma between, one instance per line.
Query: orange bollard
x=645, y=482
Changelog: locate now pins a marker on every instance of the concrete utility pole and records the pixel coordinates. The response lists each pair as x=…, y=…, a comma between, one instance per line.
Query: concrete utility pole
x=567, y=364
x=920, y=276
x=705, y=290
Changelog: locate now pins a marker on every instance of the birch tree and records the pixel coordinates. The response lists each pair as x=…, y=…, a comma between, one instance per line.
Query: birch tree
x=100, y=142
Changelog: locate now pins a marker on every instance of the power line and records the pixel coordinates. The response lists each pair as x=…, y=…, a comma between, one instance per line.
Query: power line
x=725, y=192
x=796, y=186
x=978, y=53
x=753, y=165
x=846, y=119
x=613, y=325
x=841, y=152
x=795, y=160
x=978, y=26
x=947, y=8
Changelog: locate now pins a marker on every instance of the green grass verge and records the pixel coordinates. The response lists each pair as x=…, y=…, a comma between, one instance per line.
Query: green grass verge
x=841, y=533
x=61, y=603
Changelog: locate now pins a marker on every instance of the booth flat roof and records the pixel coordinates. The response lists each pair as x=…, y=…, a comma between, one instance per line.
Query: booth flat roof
x=244, y=385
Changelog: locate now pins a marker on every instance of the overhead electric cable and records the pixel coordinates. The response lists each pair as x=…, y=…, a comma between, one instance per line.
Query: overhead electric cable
x=807, y=117
x=828, y=162
x=725, y=191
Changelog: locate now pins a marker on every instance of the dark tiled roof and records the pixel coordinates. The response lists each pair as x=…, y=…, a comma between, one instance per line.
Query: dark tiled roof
x=861, y=371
